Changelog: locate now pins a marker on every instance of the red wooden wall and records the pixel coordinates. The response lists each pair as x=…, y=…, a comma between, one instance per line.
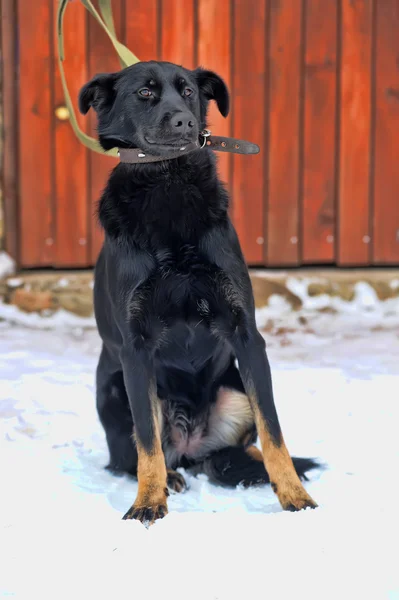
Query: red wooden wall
x=314, y=82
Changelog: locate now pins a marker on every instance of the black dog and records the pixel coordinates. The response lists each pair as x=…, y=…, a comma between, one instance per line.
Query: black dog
x=174, y=303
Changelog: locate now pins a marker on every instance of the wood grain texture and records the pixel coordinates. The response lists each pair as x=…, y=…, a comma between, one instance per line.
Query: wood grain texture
x=71, y=157
x=318, y=208
x=386, y=180
x=355, y=118
x=248, y=177
x=141, y=28
x=214, y=53
x=284, y=132
x=304, y=75
x=9, y=150
x=101, y=59
x=36, y=234
x=178, y=16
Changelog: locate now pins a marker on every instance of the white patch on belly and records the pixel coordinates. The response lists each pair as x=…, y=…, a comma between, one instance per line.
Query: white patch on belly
x=229, y=419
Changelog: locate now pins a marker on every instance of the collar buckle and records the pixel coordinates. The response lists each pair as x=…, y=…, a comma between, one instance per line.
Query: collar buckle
x=205, y=133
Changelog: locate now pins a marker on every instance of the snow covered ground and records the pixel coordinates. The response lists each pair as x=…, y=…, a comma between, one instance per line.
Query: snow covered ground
x=336, y=383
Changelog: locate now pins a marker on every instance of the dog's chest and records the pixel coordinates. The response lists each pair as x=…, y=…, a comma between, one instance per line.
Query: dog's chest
x=183, y=282
x=181, y=260
x=182, y=286
x=173, y=214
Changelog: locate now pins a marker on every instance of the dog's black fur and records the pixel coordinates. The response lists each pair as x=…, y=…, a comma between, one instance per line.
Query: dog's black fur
x=173, y=298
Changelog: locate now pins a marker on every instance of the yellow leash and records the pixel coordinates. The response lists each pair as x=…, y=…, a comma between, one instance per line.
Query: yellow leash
x=126, y=58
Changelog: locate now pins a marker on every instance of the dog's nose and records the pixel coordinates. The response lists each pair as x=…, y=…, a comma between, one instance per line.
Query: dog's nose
x=182, y=122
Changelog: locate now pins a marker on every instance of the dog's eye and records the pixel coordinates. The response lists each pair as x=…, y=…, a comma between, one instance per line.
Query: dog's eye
x=187, y=92
x=145, y=92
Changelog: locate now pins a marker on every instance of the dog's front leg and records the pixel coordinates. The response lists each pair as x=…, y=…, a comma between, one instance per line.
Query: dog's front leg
x=140, y=382
x=255, y=372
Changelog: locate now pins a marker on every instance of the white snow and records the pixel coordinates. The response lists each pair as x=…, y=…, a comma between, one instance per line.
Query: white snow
x=336, y=386
x=364, y=311
x=61, y=319
x=14, y=282
x=7, y=265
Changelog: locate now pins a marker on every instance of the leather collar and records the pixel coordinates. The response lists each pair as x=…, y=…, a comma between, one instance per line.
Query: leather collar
x=206, y=140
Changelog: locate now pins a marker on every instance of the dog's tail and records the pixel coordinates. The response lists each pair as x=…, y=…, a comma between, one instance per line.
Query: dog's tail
x=236, y=465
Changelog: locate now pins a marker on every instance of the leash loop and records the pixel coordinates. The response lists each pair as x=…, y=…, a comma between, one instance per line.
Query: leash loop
x=126, y=58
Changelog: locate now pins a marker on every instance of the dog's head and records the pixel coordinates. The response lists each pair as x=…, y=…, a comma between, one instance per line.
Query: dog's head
x=155, y=106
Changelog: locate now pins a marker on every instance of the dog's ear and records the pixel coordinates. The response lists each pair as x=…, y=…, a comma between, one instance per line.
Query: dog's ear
x=214, y=88
x=97, y=93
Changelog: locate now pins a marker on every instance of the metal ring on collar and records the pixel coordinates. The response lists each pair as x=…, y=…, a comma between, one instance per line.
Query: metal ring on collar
x=205, y=133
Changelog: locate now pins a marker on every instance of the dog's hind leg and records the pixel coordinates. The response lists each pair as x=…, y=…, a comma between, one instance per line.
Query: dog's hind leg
x=176, y=481
x=232, y=466
x=238, y=465
x=115, y=416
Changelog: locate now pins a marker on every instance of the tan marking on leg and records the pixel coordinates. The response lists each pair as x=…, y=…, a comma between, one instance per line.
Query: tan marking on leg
x=159, y=414
x=151, y=473
x=152, y=492
x=255, y=453
x=278, y=463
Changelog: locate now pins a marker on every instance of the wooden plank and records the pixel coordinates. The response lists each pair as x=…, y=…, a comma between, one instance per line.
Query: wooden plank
x=9, y=176
x=142, y=31
x=285, y=54
x=178, y=16
x=318, y=209
x=355, y=118
x=35, y=24
x=386, y=180
x=214, y=31
x=71, y=157
x=101, y=59
x=249, y=124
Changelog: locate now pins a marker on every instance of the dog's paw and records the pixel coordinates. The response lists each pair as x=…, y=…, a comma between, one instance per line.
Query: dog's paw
x=300, y=504
x=146, y=514
x=294, y=498
x=176, y=482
